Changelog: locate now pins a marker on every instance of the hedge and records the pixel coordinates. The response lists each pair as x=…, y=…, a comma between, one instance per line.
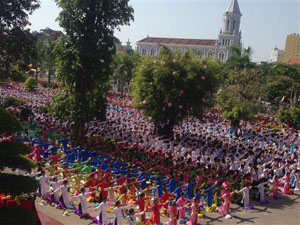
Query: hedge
x=11, y=184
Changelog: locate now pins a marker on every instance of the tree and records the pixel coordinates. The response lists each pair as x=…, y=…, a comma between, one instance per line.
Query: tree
x=240, y=97
x=281, y=83
x=61, y=107
x=49, y=57
x=123, y=65
x=16, y=41
x=173, y=86
x=12, y=155
x=240, y=58
x=89, y=26
x=290, y=116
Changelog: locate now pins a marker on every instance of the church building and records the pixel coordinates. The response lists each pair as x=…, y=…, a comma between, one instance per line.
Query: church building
x=230, y=34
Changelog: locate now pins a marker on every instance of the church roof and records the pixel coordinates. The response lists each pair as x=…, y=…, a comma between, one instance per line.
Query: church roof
x=234, y=7
x=178, y=41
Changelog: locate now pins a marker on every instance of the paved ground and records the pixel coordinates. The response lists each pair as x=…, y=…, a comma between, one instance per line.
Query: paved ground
x=282, y=212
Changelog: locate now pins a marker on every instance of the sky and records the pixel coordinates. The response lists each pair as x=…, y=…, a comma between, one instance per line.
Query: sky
x=264, y=24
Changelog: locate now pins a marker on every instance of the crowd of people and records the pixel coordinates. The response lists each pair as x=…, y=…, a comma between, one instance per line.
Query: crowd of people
x=204, y=167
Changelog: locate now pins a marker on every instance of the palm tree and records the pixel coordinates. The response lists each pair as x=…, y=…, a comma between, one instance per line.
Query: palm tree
x=240, y=59
x=123, y=65
x=49, y=57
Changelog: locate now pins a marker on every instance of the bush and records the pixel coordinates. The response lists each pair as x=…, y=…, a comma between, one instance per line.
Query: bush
x=44, y=109
x=18, y=75
x=12, y=101
x=61, y=106
x=290, y=116
x=11, y=184
x=16, y=216
x=30, y=84
x=9, y=123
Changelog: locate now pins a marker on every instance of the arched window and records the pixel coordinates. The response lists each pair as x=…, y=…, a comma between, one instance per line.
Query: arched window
x=144, y=51
x=222, y=56
x=152, y=52
x=233, y=26
x=210, y=54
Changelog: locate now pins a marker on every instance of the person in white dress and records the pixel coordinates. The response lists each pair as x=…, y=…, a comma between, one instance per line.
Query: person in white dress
x=55, y=185
x=295, y=173
x=261, y=191
x=82, y=207
x=246, y=198
x=118, y=212
x=103, y=216
x=43, y=187
x=131, y=218
x=64, y=200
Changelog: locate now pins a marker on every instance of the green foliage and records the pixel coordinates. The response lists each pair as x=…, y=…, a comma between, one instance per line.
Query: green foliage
x=281, y=83
x=84, y=56
x=9, y=123
x=241, y=58
x=290, y=116
x=18, y=75
x=44, y=109
x=17, y=216
x=61, y=106
x=123, y=66
x=12, y=101
x=239, y=98
x=16, y=41
x=12, y=155
x=17, y=162
x=30, y=84
x=173, y=86
x=13, y=148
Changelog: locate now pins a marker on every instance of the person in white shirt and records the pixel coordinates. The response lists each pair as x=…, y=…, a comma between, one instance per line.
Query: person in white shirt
x=131, y=218
x=43, y=189
x=64, y=200
x=261, y=191
x=55, y=185
x=103, y=216
x=246, y=197
x=82, y=207
x=118, y=212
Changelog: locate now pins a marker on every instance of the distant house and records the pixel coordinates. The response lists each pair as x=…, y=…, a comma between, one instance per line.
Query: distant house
x=52, y=35
x=123, y=48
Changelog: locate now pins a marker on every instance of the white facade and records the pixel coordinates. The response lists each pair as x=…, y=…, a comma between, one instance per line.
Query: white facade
x=230, y=34
x=276, y=55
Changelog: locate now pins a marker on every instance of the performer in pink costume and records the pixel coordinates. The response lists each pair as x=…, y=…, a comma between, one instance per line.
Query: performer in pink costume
x=226, y=196
x=173, y=212
x=194, y=214
x=181, y=203
x=286, y=186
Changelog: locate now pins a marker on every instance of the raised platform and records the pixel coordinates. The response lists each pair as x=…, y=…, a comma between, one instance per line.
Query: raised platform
x=47, y=220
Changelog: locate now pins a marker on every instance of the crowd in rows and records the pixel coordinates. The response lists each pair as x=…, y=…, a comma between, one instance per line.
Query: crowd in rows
x=204, y=167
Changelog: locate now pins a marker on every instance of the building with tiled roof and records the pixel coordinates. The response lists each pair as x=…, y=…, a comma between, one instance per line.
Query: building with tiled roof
x=230, y=34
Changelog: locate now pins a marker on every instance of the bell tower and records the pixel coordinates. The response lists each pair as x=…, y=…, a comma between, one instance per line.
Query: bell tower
x=230, y=33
